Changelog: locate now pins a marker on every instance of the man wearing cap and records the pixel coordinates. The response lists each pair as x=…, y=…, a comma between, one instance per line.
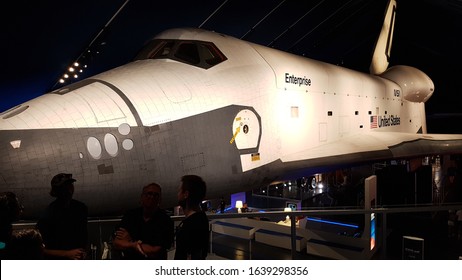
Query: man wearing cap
x=64, y=223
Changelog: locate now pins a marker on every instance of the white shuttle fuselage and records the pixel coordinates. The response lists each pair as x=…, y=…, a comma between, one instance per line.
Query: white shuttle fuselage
x=196, y=102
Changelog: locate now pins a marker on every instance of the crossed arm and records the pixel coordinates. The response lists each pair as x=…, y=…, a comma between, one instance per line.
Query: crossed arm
x=123, y=241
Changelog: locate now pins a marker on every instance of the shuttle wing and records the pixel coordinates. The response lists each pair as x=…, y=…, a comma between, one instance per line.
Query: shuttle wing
x=374, y=146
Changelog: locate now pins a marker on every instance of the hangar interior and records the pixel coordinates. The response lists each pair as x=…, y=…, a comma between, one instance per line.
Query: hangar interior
x=416, y=200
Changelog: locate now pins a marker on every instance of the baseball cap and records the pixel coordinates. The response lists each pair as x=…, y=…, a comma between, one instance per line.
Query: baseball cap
x=60, y=180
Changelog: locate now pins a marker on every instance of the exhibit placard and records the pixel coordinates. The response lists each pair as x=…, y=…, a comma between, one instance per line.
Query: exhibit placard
x=413, y=248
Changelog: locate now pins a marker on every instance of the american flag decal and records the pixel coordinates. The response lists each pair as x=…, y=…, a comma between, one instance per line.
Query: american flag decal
x=373, y=121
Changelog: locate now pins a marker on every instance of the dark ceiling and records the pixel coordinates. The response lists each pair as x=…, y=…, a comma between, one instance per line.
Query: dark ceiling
x=41, y=38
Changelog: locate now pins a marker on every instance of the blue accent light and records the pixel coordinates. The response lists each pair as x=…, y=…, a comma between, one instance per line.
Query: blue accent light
x=332, y=223
x=226, y=210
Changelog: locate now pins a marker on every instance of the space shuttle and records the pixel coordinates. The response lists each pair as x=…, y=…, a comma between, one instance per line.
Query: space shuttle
x=236, y=113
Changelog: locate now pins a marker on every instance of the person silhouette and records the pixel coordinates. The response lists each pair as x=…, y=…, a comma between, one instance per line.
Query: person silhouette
x=10, y=211
x=192, y=235
x=63, y=226
x=25, y=244
x=145, y=232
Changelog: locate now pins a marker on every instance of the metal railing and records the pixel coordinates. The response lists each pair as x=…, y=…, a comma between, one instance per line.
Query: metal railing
x=104, y=227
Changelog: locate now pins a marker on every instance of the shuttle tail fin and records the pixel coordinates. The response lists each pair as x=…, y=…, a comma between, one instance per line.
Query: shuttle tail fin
x=382, y=50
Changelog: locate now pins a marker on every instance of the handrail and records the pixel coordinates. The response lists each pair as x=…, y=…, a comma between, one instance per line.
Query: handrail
x=308, y=212
x=343, y=211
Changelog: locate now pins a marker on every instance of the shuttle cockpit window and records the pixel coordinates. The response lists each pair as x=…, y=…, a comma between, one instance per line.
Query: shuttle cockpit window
x=188, y=52
x=163, y=51
x=197, y=53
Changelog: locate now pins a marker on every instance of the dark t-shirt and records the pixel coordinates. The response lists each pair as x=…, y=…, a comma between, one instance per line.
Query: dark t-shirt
x=192, y=237
x=64, y=228
x=158, y=231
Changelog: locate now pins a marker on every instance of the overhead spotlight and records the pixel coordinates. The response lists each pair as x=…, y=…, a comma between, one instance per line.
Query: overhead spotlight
x=80, y=70
x=71, y=69
x=85, y=66
x=61, y=81
x=66, y=76
x=76, y=76
x=76, y=64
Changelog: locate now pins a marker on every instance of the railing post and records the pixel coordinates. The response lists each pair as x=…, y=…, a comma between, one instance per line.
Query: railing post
x=211, y=237
x=384, y=236
x=293, y=236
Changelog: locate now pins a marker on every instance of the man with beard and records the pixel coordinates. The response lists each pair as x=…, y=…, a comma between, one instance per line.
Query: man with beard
x=192, y=236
